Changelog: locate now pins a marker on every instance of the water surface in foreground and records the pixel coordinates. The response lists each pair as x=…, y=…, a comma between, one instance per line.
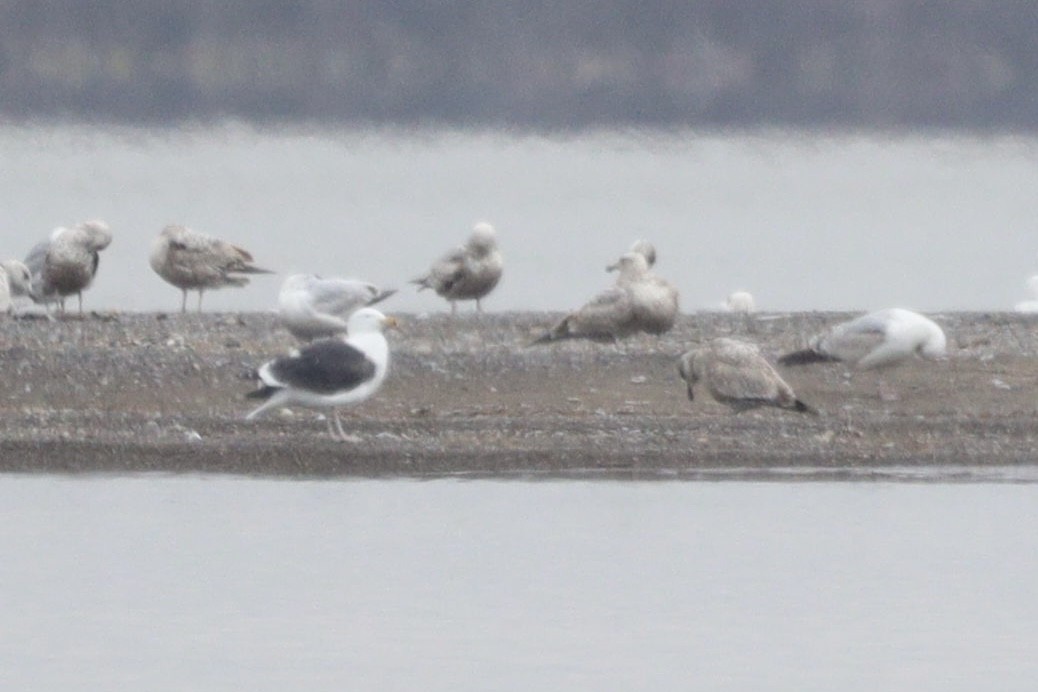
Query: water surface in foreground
x=217, y=583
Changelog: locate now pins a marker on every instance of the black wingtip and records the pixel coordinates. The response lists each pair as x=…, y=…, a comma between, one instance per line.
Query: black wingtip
x=264, y=392
x=804, y=357
x=801, y=407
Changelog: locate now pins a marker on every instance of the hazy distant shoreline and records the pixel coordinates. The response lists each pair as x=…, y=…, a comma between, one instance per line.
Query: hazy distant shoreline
x=153, y=392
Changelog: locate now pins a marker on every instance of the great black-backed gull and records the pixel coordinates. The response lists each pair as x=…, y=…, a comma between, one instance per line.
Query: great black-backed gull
x=194, y=261
x=329, y=373
x=311, y=307
x=737, y=374
x=469, y=272
x=875, y=340
x=66, y=263
x=654, y=300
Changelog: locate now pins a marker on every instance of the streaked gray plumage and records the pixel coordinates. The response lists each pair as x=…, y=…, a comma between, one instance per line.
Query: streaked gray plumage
x=468, y=273
x=311, y=307
x=737, y=374
x=67, y=263
x=194, y=261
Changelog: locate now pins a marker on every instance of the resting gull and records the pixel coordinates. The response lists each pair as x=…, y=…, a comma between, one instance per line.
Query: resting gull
x=15, y=281
x=654, y=299
x=330, y=372
x=740, y=302
x=194, y=261
x=311, y=307
x=468, y=273
x=737, y=375
x=875, y=340
x=608, y=316
x=66, y=263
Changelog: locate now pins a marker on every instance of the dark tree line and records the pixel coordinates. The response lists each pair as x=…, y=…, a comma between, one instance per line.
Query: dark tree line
x=529, y=64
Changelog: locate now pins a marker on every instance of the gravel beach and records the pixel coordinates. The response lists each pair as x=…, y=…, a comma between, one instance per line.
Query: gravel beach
x=134, y=392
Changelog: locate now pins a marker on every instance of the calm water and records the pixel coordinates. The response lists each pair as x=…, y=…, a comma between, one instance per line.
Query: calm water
x=839, y=222
x=213, y=583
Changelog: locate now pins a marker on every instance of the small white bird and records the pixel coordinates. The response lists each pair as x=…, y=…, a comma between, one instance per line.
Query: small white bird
x=469, y=272
x=1030, y=305
x=67, y=263
x=740, y=302
x=194, y=261
x=330, y=373
x=15, y=282
x=875, y=340
x=737, y=374
x=311, y=307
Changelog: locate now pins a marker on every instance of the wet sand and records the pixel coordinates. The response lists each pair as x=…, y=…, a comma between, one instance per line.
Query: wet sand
x=156, y=392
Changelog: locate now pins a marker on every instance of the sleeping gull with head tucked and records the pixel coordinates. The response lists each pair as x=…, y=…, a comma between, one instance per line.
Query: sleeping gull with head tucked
x=740, y=302
x=737, y=374
x=15, y=282
x=331, y=372
x=66, y=263
x=469, y=272
x=311, y=307
x=194, y=261
x=878, y=339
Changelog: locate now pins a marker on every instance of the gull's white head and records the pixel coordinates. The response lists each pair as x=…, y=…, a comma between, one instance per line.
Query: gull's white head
x=645, y=249
x=483, y=238
x=367, y=320
x=935, y=347
x=95, y=234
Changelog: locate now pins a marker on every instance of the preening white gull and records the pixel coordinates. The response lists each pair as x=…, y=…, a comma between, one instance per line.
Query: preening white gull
x=1030, y=305
x=67, y=263
x=311, y=307
x=875, y=340
x=646, y=250
x=737, y=374
x=655, y=300
x=329, y=373
x=469, y=272
x=194, y=261
x=15, y=281
x=740, y=302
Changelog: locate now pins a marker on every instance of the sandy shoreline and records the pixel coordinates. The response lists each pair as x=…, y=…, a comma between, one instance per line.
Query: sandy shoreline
x=152, y=392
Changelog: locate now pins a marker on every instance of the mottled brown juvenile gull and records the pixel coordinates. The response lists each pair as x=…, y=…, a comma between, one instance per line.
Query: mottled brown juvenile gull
x=469, y=272
x=610, y=315
x=655, y=300
x=311, y=307
x=737, y=374
x=875, y=340
x=194, y=261
x=333, y=372
x=67, y=263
